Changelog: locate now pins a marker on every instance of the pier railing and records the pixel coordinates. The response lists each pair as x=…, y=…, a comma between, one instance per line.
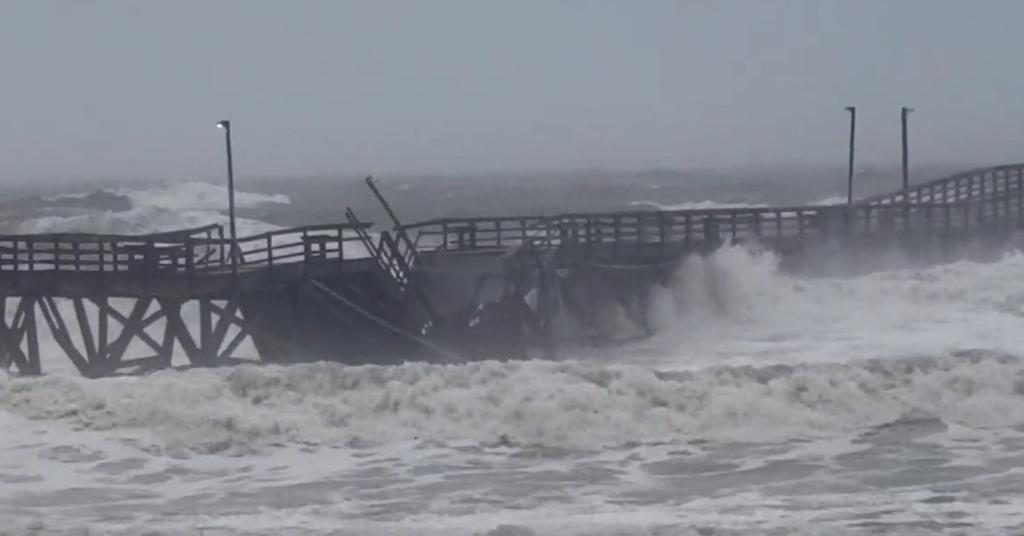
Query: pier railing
x=968, y=186
x=986, y=197
x=199, y=251
x=993, y=196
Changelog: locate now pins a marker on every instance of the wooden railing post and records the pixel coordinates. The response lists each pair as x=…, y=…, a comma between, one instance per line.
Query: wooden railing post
x=147, y=262
x=687, y=231
x=341, y=246
x=305, y=254
x=190, y=261
x=16, y=257
x=101, y=258
x=1020, y=195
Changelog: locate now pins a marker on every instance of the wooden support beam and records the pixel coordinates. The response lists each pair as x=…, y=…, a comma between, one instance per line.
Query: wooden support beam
x=230, y=310
x=59, y=330
x=5, y=355
x=131, y=327
x=205, y=328
x=30, y=330
x=11, y=353
x=166, y=353
x=224, y=321
x=85, y=330
x=177, y=330
x=103, y=328
x=229, y=350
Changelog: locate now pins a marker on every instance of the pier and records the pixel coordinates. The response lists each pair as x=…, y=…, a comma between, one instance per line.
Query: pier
x=439, y=290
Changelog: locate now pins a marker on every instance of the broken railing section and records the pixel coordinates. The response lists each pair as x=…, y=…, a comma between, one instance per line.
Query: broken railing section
x=395, y=261
x=595, y=260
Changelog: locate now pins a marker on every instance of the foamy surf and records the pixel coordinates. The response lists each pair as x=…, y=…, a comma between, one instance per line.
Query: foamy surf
x=694, y=205
x=180, y=205
x=570, y=405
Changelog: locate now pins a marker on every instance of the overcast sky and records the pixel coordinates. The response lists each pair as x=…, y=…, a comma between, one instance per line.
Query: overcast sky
x=133, y=88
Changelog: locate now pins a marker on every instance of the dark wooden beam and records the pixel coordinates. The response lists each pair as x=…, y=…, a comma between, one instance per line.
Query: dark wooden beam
x=103, y=328
x=131, y=327
x=229, y=350
x=10, y=345
x=179, y=331
x=30, y=329
x=85, y=329
x=59, y=330
x=207, y=346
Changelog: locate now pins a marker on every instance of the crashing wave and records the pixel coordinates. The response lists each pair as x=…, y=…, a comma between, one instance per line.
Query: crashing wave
x=568, y=405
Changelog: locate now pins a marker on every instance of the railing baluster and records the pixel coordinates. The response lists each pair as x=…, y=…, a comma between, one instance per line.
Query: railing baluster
x=341, y=245
x=190, y=261
x=1020, y=195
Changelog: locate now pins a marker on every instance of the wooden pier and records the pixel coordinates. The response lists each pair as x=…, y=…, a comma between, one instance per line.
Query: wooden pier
x=441, y=289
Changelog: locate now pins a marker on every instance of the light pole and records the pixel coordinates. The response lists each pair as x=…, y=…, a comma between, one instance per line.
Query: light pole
x=849, y=176
x=226, y=126
x=904, y=112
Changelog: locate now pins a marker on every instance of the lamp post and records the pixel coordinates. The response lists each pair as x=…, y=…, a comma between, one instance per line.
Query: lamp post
x=226, y=126
x=849, y=176
x=904, y=112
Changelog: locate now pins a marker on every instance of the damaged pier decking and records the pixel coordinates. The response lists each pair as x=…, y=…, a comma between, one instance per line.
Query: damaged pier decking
x=477, y=287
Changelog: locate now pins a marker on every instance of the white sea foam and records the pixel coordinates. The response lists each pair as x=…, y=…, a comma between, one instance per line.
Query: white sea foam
x=163, y=208
x=195, y=195
x=694, y=205
x=567, y=405
x=737, y=306
x=830, y=200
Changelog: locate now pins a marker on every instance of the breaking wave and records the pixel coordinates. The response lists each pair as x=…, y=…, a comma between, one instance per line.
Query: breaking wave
x=737, y=303
x=694, y=205
x=570, y=405
x=162, y=208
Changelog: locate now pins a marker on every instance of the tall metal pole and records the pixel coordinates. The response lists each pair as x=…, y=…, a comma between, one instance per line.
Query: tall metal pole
x=226, y=125
x=904, y=112
x=849, y=176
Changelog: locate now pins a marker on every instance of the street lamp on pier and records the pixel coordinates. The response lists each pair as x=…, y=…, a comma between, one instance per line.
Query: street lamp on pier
x=226, y=126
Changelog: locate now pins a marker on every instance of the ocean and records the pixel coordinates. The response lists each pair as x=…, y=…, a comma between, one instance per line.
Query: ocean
x=766, y=403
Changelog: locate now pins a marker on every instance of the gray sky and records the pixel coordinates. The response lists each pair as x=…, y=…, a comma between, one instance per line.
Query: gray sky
x=133, y=88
